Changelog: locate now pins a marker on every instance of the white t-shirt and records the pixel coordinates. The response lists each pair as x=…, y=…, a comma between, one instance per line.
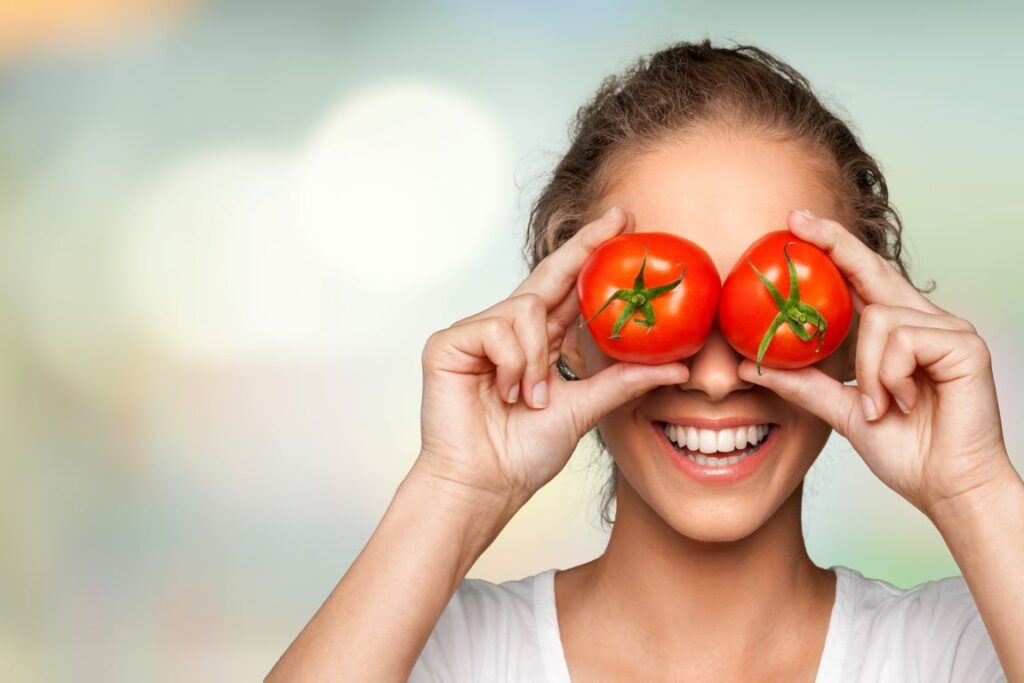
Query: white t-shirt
x=877, y=632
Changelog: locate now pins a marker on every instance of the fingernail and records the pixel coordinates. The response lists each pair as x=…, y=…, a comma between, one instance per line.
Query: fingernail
x=902, y=405
x=608, y=213
x=513, y=394
x=540, y=394
x=806, y=212
x=870, y=411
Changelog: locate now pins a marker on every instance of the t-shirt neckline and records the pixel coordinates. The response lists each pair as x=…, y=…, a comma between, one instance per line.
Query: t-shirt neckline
x=549, y=636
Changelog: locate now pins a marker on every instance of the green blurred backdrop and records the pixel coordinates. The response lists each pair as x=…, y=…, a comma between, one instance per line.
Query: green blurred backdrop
x=203, y=416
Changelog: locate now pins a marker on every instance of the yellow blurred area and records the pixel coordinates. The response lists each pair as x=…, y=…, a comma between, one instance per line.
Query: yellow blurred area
x=31, y=26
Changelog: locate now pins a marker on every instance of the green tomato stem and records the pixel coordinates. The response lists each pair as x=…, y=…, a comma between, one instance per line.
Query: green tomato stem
x=795, y=313
x=637, y=299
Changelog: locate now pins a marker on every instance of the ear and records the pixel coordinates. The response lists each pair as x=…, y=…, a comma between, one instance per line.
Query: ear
x=572, y=348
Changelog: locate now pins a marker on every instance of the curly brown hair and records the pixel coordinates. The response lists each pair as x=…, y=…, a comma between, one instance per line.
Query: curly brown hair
x=677, y=90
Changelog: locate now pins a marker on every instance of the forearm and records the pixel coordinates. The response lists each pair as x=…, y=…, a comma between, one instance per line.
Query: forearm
x=379, y=616
x=985, y=534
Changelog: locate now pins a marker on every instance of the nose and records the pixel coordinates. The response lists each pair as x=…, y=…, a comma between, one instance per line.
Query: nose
x=714, y=370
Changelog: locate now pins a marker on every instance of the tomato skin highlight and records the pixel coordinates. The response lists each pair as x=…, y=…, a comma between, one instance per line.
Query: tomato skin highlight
x=683, y=316
x=747, y=309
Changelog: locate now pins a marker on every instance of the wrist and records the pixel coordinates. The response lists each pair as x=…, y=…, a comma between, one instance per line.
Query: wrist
x=478, y=514
x=459, y=494
x=981, y=500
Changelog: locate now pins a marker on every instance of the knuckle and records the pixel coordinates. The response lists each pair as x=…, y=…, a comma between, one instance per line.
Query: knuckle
x=431, y=348
x=903, y=337
x=872, y=316
x=432, y=342
x=531, y=304
x=838, y=236
x=834, y=229
x=887, y=374
x=628, y=378
x=494, y=327
x=980, y=347
x=868, y=270
x=874, y=266
x=965, y=325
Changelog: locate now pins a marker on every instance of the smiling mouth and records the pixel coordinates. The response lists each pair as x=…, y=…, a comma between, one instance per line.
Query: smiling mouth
x=716, y=448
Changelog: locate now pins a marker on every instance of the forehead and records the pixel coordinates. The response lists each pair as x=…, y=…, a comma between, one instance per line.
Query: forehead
x=721, y=189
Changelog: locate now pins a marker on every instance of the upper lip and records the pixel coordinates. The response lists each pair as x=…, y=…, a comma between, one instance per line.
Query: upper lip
x=715, y=423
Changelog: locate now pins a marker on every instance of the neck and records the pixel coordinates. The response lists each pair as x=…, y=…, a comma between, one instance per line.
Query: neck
x=742, y=592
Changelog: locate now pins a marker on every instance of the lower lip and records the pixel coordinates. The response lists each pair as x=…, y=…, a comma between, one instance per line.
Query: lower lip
x=720, y=475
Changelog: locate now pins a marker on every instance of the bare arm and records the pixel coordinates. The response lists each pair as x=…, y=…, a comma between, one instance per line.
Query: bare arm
x=985, y=533
x=925, y=418
x=496, y=425
x=378, y=618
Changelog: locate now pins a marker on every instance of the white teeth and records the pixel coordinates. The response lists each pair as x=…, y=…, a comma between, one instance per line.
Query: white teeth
x=726, y=440
x=708, y=441
x=692, y=438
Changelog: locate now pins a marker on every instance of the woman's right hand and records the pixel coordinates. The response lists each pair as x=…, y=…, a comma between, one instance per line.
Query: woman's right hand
x=495, y=417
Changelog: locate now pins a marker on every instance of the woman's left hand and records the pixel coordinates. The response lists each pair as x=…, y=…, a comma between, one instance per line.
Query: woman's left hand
x=942, y=440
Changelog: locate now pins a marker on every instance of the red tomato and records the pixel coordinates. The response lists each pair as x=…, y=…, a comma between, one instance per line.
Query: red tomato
x=648, y=297
x=778, y=322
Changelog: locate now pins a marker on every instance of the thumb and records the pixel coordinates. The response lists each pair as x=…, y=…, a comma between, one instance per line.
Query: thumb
x=810, y=389
x=588, y=400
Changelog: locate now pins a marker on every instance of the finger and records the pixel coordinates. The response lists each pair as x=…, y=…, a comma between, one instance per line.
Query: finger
x=543, y=337
x=554, y=278
x=536, y=335
x=569, y=309
x=565, y=312
x=873, y=337
x=588, y=400
x=479, y=346
x=558, y=272
x=870, y=275
x=530, y=324
x=810, y=389
x=944, y=355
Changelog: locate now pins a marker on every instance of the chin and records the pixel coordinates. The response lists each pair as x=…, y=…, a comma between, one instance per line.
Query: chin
x=664, y=491
x=712, y=516
x=715, y=523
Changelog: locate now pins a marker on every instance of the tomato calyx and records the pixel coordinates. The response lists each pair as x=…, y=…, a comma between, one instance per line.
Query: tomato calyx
x=637, y=299
x=792, y=311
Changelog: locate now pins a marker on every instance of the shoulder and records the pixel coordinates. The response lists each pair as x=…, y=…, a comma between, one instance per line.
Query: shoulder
x=924, y=602
x=488, y=631
x=931, y=631
x=483, y=601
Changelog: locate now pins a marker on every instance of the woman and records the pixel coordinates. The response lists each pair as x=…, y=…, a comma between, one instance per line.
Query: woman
x=700, y=581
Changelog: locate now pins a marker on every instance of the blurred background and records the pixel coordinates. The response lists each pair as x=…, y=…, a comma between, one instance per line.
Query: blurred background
x=210, y=388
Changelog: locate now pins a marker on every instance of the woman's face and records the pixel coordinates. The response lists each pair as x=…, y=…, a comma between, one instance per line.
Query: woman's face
x=722, y=190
